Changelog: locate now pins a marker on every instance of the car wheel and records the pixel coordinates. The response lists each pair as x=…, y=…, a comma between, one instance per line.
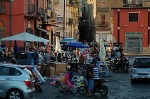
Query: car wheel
x=14, y=94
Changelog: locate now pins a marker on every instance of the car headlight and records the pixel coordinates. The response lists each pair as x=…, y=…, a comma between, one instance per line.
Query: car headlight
x=133, y=71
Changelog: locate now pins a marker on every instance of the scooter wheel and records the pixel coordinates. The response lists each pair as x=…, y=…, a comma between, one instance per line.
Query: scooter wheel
x=82, y=90
x=103, y=91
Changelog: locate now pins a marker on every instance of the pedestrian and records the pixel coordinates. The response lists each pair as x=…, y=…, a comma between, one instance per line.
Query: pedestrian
x=36, y=57
x=47, y=57
x=96, y=72
x=13, y=60
x=81, y=60
x=89, y=78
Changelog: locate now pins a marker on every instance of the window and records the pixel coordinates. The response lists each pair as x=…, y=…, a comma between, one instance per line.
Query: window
x=6, y=71
x=142, y=62
x=14, y=72
x=133, y=17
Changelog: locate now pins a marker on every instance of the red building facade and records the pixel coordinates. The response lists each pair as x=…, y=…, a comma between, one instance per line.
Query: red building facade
x=20, y=16
x=131, y=26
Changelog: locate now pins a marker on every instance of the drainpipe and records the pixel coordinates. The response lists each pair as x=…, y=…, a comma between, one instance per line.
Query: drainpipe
x=148, y=26
x=118, y=26
x=64, y=23
x=10, y=21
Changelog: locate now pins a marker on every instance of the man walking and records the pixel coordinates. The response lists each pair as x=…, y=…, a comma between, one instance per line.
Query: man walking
x=90, y=79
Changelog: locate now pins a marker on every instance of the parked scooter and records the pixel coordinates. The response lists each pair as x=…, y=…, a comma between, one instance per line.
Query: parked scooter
x=37, y=85
x=125, y=64
x=117, y=65
x=100, y=86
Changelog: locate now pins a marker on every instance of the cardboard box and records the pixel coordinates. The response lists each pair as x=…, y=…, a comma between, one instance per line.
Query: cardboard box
x=47, y=72
x=59, y=67
x=52, y=71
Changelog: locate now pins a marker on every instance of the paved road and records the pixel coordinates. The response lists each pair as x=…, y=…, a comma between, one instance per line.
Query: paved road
x=119, y=88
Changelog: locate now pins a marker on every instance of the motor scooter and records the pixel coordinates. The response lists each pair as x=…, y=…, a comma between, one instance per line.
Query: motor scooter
x=116, y=65
x=100, y=86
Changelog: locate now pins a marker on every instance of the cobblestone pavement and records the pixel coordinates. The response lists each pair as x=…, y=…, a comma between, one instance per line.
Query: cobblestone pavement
x=120, y=87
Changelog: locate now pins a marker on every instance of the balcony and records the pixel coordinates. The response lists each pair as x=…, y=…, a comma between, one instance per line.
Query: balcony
x=53, y=16
x=41, y=10
x=77, y=1
x=31, y=8
x=103, y=10
x=2, y=7
x=31, y=13
x=102, y=24
x=70, y=2
x=134, y=5
x=69, y=21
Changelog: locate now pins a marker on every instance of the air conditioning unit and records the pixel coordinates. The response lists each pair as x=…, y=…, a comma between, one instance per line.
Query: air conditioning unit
x=4, y=10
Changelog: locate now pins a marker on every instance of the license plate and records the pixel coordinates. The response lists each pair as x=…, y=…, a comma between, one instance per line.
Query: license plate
x=142, y=76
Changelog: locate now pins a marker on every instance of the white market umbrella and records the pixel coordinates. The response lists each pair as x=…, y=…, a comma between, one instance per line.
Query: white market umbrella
x=102, y=53
x=25, y=36
x=57, y=46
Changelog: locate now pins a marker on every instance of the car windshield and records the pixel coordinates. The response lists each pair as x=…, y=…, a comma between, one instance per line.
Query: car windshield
x=142, y=62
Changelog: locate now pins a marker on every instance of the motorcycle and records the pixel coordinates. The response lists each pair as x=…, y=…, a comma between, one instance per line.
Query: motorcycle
x=100, y=86
x=116, y=65
x=125, y=64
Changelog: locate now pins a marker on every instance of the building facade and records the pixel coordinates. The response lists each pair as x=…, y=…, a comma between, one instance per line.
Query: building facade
x=86, y=21
x=131, y=26
x=28, y=16
x=104, y=19
x=67, y=18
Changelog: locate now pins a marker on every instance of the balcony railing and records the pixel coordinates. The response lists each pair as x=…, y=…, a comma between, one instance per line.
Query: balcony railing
x=31, y=8
x=104, y=10
x=133, y=5
x=102, y=24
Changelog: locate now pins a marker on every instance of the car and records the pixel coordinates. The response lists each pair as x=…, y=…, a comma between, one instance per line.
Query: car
x=16, y=81
x=26, y=59
x=140, y=69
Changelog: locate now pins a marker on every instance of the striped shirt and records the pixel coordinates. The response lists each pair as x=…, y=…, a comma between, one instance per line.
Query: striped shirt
x=96, y=73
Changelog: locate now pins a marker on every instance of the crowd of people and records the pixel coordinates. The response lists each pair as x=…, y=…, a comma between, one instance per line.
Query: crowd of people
x=92, y=71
